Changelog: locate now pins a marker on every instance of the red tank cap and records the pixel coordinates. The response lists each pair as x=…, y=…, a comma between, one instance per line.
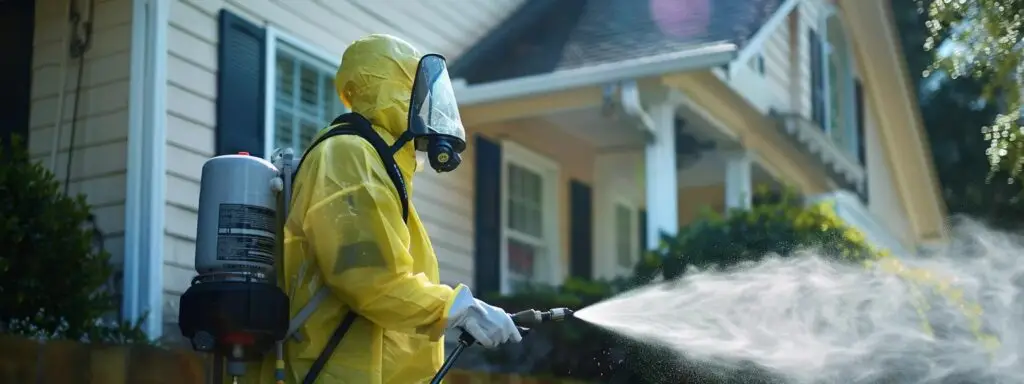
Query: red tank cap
x=243, y=153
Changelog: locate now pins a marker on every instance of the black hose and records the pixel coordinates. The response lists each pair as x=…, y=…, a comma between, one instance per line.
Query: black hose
x=78, y=47
x=74, y=124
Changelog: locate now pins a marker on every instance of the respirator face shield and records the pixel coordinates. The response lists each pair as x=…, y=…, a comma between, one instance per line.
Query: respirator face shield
x=434, y=121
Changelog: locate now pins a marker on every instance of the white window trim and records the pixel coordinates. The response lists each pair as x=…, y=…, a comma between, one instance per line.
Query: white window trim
x=634, y=236
x=298, y=47
x=549, y=171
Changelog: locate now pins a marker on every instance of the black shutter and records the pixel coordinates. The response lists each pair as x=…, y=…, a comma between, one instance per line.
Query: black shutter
x=17, y=19
x=488, y=217
x=817, y=79
x=642, y=224
x=581, y=229
x=858, y=91
x=861, y=113
x=240, y=86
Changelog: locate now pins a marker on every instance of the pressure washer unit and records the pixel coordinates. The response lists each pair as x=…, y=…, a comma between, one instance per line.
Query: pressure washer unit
x=234, y=307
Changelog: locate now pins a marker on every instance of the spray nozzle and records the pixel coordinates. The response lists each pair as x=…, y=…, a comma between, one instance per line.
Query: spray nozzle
x=533, y=317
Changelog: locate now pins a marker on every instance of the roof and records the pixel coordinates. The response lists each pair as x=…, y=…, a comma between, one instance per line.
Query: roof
x=544, y=36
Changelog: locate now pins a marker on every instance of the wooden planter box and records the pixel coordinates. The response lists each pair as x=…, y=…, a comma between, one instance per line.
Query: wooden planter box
x=66, y=362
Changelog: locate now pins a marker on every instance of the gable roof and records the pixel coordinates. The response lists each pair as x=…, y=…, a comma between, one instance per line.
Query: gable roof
x=544, y=36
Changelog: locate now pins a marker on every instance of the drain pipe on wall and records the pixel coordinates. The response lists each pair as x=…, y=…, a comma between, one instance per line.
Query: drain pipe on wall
x=629, y=97
x=65, y=44
x=144, y=205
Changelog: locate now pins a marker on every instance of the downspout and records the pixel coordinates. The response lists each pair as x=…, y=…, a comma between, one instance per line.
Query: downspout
x=629, y=99
x=144, y=205
x=65, y=46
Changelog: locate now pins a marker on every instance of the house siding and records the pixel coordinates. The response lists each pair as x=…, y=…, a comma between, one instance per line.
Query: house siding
x=885, y=202
x=445, y=205
x=787, y=62
x=98, y=165
x=777, y=71
x=787, y=72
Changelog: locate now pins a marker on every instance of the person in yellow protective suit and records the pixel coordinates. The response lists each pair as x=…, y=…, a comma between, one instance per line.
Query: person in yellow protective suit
x=346, y=232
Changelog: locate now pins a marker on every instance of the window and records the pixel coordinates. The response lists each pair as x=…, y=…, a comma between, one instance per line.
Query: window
x=832, y=78
x=840, y=85
x=302, y=99
x=625, y=233
x=531, y=251
x=756, y=63
x=818, y=91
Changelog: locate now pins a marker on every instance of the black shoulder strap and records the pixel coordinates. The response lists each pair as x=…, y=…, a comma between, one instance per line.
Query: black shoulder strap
x=356, y=124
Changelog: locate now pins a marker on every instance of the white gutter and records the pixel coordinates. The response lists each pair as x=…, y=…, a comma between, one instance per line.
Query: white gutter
x=697, y=58
x=756, y=42
x=144, y=203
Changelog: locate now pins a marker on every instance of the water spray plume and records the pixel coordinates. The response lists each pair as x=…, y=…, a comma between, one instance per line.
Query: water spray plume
x=955, y=316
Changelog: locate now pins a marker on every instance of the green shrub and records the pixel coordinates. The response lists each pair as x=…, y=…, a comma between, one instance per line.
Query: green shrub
x=777, y=224
x=781, y=224
x=52, y=275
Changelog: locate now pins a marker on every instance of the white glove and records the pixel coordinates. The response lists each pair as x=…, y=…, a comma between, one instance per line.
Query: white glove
x=489, y=325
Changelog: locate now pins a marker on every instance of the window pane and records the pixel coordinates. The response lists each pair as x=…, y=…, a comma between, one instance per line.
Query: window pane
x=522, y=258
x=283, y=129
x=837, y=91
x=285, y=87
x=534, y=224
x=514, y=182
x=514, y=215
x=328, y=98
x=525, y=205
x=309, y=90
x=532, y=183
x=307, y=130
x=624, y=235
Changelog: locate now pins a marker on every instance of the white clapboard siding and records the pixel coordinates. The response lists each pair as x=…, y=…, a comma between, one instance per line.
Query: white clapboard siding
x=101, y=132
x=789, y=75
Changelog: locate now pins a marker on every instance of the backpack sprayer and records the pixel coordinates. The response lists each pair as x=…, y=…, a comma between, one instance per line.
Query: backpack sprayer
x=234, y=308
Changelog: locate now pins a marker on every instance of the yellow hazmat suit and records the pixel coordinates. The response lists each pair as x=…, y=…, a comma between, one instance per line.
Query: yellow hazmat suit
x=345, y=231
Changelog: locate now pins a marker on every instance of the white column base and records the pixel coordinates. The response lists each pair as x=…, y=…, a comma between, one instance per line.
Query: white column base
x=739, y=192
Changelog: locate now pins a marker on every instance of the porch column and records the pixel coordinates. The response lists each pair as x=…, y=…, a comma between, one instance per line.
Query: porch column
x=738, y=190
x=660, y=175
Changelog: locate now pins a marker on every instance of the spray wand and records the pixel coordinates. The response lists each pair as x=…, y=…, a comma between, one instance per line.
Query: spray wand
x=524, y=320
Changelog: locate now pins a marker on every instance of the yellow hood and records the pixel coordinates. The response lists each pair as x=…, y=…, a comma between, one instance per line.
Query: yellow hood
x=375, y=80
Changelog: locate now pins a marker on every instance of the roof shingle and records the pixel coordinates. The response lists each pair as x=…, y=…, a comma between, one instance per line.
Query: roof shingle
x=550, y=35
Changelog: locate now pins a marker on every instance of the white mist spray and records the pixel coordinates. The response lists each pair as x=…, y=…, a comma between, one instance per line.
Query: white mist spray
x=812, y=320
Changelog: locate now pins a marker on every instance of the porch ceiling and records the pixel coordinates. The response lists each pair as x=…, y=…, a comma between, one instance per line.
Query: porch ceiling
x=611, y=134
x=598, y=128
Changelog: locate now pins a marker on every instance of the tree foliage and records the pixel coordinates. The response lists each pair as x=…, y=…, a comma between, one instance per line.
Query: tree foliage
x=982, y=40
x=951, y=108
x=53, y=277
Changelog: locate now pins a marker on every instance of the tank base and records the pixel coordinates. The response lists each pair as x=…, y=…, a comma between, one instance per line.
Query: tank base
x=240, y=320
